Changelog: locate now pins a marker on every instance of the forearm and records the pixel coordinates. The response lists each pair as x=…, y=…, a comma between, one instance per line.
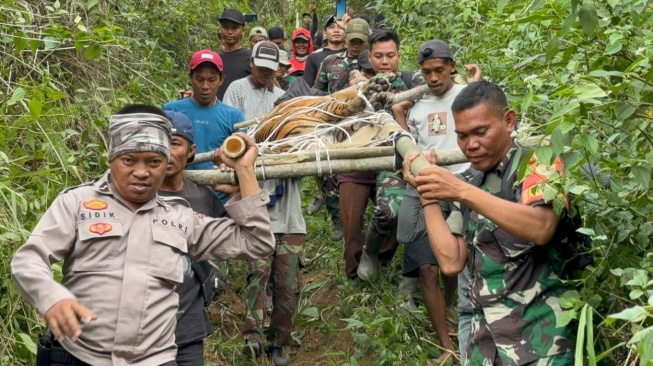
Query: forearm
x=449, y=249
x=33, y=278
x=247, y=181
x=535, y=224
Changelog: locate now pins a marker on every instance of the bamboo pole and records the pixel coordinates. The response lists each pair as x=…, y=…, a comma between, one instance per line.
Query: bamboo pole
x=234, y=146
x=324, y=167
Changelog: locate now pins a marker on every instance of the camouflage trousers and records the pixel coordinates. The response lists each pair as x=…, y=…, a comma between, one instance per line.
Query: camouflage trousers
x=284, y=269
x=380, y=239
x=483, y=350
x=382, y=232
x=331, y=198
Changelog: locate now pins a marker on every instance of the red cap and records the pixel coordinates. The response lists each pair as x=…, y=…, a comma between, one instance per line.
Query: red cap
x=203, y=56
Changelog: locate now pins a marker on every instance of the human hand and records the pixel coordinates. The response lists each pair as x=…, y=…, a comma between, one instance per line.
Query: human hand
x=436, y=183
x=408, y=175
x=474, y=73
x=313, y=8
x=343, y=23
x=402, y=107
x=350, y=12
x=355, y=77
x=64, y=316
x=228, y=189
x=432, y=157
x=246, y=160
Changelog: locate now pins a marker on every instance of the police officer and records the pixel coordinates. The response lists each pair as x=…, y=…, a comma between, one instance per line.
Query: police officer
x=123, y=246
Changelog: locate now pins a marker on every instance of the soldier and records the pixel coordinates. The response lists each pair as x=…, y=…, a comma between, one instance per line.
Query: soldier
x=508, y=227
x=123, y=248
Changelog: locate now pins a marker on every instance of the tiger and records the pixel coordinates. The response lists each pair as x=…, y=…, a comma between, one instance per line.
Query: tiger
x=304, y=115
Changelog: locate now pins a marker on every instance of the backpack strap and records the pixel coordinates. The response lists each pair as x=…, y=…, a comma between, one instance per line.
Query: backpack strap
x=407, y=77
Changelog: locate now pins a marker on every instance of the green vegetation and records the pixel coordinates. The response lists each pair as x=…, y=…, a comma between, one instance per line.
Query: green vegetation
x=578, y=71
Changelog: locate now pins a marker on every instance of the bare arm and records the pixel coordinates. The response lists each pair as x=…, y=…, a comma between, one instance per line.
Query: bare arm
x=535, y=224
x=399, y=111
x=450, y=249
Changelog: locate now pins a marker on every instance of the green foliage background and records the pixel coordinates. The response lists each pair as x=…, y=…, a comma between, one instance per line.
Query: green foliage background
x=578, y=71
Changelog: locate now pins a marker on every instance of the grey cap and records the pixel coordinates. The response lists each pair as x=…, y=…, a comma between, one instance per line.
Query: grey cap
x=434, y=49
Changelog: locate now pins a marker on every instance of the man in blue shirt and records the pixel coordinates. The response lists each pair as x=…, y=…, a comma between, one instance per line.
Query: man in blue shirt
x=212, y=120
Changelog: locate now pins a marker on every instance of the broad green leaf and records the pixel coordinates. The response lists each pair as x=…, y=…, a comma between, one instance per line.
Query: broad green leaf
x=92, y=52
x=623, y=110
x=566, y=126
x=589, y=90
x=642, y=174
x=19, y=44
x=604, y=73
x=552, y=48
x=18, y=95
x=567, y=24
x=586, y=231
x=50, y=43
x=91, y=4
x=34, y=44
x=589, y=143
x=588, y=18
x=500, y=5
x=635, y=294
x=35, y=107
x=634, y=314
x=636, y=63
x=612, y=49
x=645, y=347
x=544, y=154
x=27, y=341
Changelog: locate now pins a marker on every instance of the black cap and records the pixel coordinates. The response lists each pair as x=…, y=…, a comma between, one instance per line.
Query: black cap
x=364, y=60
x=276, y=33
x=329, y=19
x=233, y=15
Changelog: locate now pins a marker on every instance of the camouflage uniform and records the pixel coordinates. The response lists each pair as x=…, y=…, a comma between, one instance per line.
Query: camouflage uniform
x=334, y=68
x=515, y=287
x=381, y=238
x=285, y=268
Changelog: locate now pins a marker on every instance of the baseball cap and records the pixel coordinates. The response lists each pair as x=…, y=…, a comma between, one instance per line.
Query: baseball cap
x=181, y=125
x=284, y=58
x=364, y=60
x=302, y=36
x=266, y=54
x=276, y=33
x=203, y=56
x=258, y=31
x=357, y=28
x=233, y=15
x=434, y=49
x=329, y=19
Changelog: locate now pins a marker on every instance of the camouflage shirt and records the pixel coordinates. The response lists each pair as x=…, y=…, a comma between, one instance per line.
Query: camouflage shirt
x=334, y=68
x=514, y=288
x=337, y=67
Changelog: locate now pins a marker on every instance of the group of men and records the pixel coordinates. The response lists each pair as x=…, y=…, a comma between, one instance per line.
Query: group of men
x=144, y=232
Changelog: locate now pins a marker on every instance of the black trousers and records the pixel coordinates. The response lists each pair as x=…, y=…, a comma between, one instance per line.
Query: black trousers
x=191, y=354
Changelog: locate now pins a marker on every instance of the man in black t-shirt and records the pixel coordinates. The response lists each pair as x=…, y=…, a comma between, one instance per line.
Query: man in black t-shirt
x=234, y=57
x=193, y=324
x=335, y=36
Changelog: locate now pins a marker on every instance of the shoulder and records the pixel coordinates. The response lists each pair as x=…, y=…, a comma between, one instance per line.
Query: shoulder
x=79, y=188
x=173, y=105
x=229, y=111
x=173, y=201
